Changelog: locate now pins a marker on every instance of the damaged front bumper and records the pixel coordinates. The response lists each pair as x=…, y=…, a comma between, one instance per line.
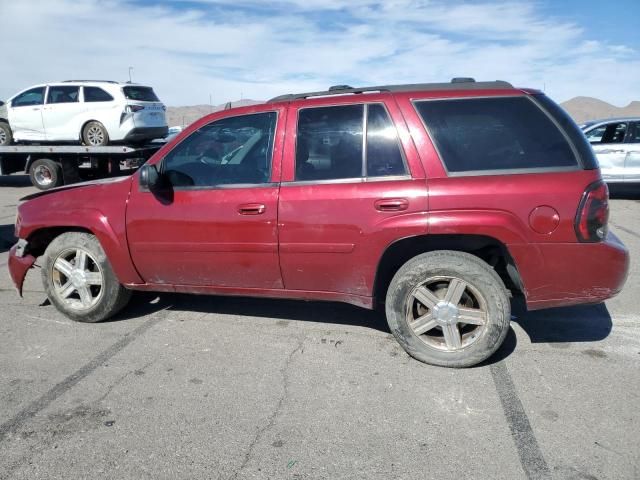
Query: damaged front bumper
x=19, y=263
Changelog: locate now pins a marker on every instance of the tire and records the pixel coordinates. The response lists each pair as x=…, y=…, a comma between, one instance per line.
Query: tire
x=45, y=174
x=6, y=136
x=436, y=294
x=87, y=293
x=95, y=135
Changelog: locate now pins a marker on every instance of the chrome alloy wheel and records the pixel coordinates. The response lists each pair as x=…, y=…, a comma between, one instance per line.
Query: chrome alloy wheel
x=446, y=313
x=43, y=175
x=95, y=135
x=77, y=279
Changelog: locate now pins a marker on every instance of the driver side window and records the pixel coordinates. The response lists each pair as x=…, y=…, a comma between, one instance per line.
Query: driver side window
x=230, y=151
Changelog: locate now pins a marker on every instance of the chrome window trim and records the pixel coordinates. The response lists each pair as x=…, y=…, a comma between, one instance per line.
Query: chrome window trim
x=507, y=171
x=390, y=178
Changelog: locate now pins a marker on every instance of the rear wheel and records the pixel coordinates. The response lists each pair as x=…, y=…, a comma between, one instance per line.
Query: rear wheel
x=78, y=279
x=6, y=137
x=45, y=174
x=95, y=135
x=448, y=308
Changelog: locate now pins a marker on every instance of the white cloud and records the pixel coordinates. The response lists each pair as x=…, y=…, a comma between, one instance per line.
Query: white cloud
x=228, y=48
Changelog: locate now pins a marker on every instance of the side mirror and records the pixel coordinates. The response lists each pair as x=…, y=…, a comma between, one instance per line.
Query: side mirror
x=149, y=177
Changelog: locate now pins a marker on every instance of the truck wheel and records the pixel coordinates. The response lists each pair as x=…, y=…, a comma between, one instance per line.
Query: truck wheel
x=45, y=174
x=448, y=308
x=6, y=137
x=78, y=279
x=95, y=135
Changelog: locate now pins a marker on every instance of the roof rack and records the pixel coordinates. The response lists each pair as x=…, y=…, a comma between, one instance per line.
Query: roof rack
x=458, y=83
x=92, y=81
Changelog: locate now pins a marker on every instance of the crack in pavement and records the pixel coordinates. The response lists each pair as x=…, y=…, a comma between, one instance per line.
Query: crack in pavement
x=276, y=411
x=23, y=416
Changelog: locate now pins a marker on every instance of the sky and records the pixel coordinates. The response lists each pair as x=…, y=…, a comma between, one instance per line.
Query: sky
x=192, y=51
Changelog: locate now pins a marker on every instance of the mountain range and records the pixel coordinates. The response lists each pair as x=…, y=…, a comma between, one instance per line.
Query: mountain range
x=580, y=108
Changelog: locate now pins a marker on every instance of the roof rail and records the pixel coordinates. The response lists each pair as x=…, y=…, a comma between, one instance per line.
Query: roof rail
x=92, y=81
x=458, y=83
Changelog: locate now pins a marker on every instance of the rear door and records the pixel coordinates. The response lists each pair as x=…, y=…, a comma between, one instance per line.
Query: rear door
x=214, y=225
x=62, y=113
x=347, y=192
x=607, y=141
x=25, y=114
x=632, y=160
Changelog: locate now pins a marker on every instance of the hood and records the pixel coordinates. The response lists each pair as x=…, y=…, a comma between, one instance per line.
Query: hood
x=90, y=183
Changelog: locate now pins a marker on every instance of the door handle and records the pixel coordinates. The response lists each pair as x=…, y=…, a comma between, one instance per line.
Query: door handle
x=251, y=209
x=391, y=204
x=36, y=109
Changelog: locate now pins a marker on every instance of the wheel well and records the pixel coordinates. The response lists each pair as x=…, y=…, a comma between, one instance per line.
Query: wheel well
x=40, y=239
x=492, y=251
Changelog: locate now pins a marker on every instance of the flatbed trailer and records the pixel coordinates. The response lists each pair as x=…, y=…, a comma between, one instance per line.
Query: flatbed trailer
x=50, y=166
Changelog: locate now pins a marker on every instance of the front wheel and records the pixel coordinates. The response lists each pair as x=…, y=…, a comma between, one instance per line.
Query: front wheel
x=78, y=279
x=6, y=137
x=448, y=308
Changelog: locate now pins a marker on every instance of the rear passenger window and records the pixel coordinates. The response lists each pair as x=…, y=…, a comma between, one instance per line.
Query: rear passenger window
x=63, y=94
x=484, y=134
x=383, y=150
x=329, y=144
x=95, y=94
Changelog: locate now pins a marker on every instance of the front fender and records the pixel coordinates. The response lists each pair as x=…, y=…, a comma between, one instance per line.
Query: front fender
x=112, y=240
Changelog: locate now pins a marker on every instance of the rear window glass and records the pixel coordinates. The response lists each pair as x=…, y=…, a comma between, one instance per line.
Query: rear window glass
x=142, y=94
x=484, y=134
x=571, y=129
x=96, y=94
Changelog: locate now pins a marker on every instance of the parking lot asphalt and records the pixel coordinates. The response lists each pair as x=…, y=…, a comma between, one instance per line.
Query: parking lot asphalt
x=181, y=386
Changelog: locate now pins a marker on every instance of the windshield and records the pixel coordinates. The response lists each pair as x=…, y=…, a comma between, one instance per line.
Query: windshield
x=142, y=94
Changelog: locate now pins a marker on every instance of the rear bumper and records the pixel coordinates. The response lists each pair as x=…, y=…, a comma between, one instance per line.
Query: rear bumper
x=563, y=274
x=140, y=134
x=19, y=264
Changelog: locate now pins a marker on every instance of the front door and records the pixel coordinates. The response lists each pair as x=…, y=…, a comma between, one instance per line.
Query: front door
x=25, y=115
x=607, y=141
x=632, y=161
x=214, y=223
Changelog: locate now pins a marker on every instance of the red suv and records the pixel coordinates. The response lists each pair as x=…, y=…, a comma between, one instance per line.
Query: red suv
x=439, y=201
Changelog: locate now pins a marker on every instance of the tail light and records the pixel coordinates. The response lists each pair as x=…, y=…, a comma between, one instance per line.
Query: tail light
x=593, y=214
x=134, y=108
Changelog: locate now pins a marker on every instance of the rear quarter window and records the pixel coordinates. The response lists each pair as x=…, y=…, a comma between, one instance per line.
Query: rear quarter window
x=141, y=94
x=497, y=133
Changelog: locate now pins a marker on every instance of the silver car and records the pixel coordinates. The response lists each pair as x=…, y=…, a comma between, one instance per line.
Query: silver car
x=616, y=142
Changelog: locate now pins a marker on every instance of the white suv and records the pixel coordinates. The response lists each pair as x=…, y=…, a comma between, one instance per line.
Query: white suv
x=94, y=112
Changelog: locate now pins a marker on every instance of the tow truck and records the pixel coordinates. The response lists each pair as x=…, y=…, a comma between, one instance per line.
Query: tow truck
x=51, y=166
